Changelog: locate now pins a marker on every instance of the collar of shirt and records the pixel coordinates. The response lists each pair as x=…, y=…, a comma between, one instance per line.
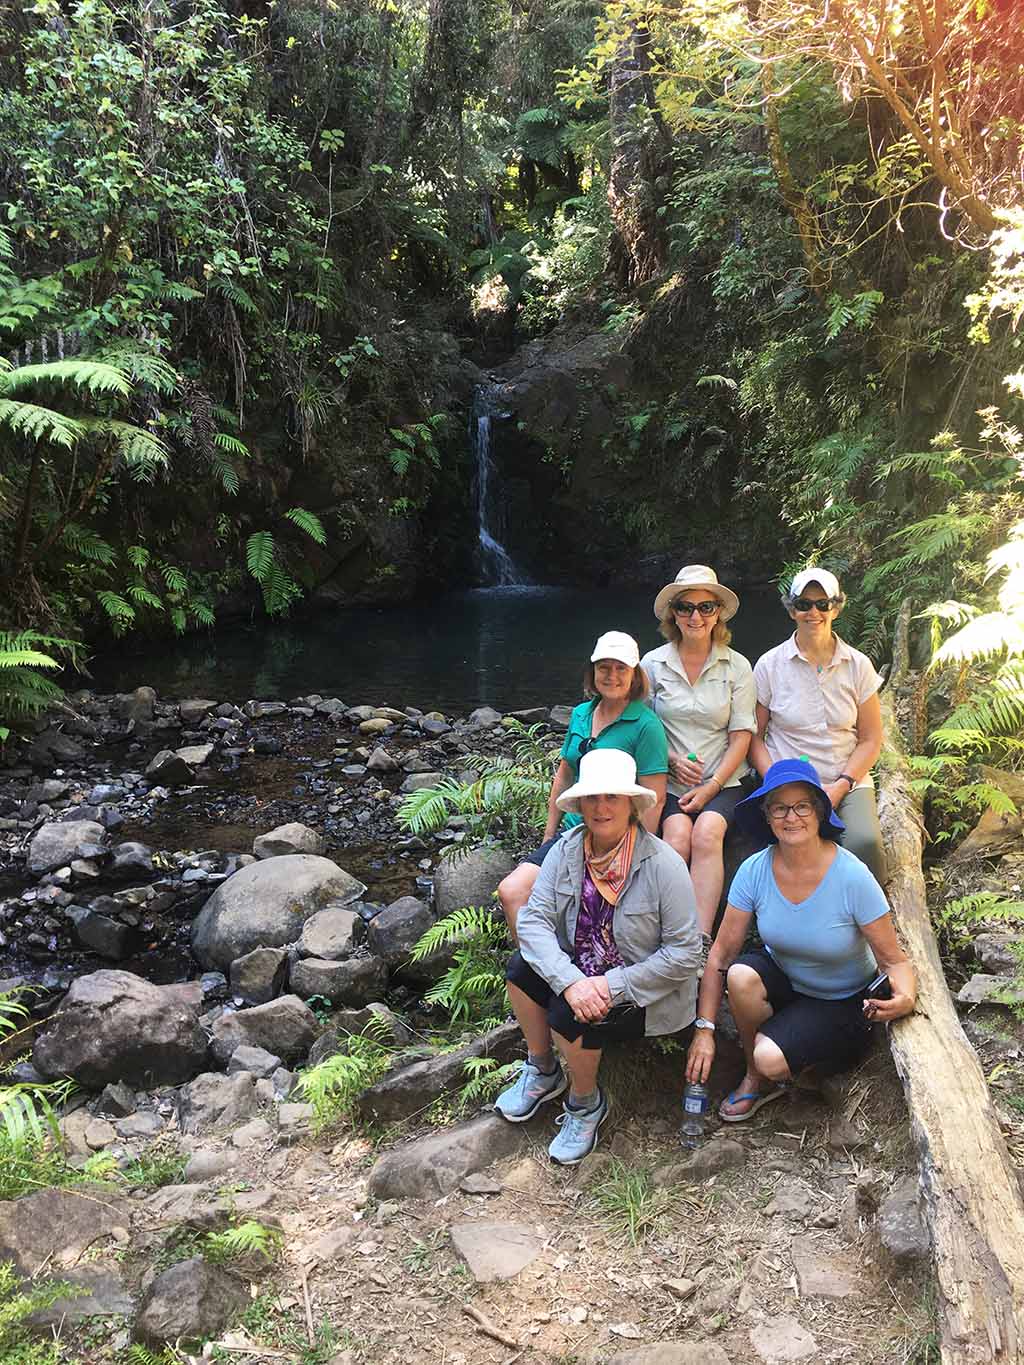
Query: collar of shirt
x=634, y=710
x=676, y=664
x=840, y=654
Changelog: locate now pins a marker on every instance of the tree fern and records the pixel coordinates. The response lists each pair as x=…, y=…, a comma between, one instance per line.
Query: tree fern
x=91, y=375
x=259, y=555
x=472, y=990
x=308, y=522
x=24, y=691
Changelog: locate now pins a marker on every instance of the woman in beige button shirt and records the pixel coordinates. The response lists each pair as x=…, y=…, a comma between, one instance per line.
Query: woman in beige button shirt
x=817, y=698
x=703, y=693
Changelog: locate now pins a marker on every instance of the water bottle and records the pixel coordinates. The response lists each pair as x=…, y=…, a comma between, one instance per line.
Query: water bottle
x=695, y=1107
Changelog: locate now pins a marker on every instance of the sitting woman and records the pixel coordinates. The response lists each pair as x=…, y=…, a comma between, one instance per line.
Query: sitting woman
x=703, y=693
x=608, y=950
x=827, y=931
x=817, y=698
x=615, y=717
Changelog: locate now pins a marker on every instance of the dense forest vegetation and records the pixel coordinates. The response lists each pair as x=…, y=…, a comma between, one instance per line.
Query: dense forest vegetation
x=252, y=254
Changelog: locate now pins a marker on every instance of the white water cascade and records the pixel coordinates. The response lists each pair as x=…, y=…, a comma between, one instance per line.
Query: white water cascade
x=497, y=567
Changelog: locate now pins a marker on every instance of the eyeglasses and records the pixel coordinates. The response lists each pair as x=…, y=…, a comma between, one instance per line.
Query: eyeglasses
x=688, y=608
x=822, y=603
x=801, y=808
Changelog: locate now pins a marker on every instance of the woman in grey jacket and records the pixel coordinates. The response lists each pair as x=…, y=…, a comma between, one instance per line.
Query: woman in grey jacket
x=608, y=950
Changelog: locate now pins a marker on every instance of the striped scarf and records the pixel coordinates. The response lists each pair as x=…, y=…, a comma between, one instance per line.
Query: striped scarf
x=608, y=871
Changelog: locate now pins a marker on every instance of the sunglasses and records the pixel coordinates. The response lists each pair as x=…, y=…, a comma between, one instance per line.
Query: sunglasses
x=822, y=603
x=688, y=608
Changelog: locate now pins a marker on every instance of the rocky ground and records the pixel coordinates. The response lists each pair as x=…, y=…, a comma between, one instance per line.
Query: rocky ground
x=197, y=872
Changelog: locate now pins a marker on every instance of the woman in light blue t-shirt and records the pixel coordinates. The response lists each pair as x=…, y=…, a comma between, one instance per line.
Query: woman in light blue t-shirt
x=802, y=1000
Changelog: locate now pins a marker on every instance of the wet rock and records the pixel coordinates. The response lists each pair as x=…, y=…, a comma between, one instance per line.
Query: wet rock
x=49, y=790
x=117, y=1100
x=415, y=781
x=435, y=1165
x=189, y=1303
x=990, y=990
x=380, y=761
x=169, y=769
x=355, y=981
x=114, y=1026
x=256, y=1060
x=214, y=986
x=55, y=1227
x=286, y=1027
x=434, y=725
x=495, y=1251
x=781, y=1339
x=130, y=859
x=484, y=717
x=101, y=1292
x=194, y=709
x=56, y=844
x=412, y=1089
x=901, y=1222
x=266, y=744
x=332, y=933
x=102, y=793
x=258, y=710
x=469, y=879
x=999, y=954
x=394, y=933
x=108, y=937
x=267, y=905
x=53, y=747
x=215, y=1101
x=260, y=976
x=292, y=838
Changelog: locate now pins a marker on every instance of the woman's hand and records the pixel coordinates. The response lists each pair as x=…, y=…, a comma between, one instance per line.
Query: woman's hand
x=589, y=999
x=837, y=791
x=695, y=801
x=688, y=772
x=700, y=1055
x=885, y=1011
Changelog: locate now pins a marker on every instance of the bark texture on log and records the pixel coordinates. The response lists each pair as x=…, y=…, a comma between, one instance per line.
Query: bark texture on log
x=971, y=1193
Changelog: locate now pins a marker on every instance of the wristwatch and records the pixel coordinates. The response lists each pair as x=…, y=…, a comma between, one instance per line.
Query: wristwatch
x=704, y=1023
x=845, y=777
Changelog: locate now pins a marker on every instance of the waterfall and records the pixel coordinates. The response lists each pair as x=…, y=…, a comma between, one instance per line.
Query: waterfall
x=497, y=566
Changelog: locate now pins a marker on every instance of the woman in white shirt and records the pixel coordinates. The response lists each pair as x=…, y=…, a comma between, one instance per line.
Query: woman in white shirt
x=703, y=693
x=817, y=698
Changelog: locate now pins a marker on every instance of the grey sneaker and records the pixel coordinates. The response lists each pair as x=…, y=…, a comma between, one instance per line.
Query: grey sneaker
x=529, y=1091
x=578, y=1136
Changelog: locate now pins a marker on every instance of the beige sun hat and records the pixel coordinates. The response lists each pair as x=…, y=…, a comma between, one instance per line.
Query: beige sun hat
x=696, y=576
x=607, y=772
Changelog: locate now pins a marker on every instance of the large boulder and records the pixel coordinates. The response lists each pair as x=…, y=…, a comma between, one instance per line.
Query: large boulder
x=469, y=878
x=394, y=933
x=435, y=1165
x=189, y=1303
x=286, y=1027
x=59, y=843
x=333, y=933
x=356, y=981
x=60, y=1225
x=266, y=905
x=412, y=1089
x=293, y=838
x=115, y=1026
x=260, y=976
x=216, y=1101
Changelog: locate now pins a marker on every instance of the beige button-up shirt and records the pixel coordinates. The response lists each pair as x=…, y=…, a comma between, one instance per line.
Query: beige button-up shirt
x=814, y=714
x=698, y=717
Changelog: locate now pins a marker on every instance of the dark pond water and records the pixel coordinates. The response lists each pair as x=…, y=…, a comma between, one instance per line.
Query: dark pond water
x=506, y=647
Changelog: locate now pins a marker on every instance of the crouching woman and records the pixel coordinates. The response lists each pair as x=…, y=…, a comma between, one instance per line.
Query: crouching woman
x=608, y=950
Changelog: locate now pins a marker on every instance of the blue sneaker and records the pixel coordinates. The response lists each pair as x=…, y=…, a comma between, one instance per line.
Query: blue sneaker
x=578, y=1136
x=529, y=1091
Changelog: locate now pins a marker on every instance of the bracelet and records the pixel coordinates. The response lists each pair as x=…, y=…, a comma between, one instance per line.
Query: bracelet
x=847, y=778
x=718, y=782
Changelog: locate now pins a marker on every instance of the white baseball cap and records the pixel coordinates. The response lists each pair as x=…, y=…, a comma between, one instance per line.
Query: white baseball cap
x=813, y=575
x=616, y=644
x=607, y=772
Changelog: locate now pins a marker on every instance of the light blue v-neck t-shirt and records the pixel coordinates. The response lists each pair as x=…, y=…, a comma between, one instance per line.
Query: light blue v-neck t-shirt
x=818, y=943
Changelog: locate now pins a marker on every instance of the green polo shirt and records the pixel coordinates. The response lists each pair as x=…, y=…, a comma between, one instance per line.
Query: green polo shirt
x=638, y=731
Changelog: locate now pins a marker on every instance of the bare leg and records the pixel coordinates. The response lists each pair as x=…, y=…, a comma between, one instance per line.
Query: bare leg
x=582, y=1063
x=706, y=867
x=533, y=1020
x=748, y=1001
x=677, y=831
x=514, y=891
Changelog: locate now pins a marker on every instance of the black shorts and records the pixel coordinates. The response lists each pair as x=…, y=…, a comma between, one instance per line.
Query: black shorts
x=831, y=1035
x=539, y=854
x=624, y=1023
x=723, y=804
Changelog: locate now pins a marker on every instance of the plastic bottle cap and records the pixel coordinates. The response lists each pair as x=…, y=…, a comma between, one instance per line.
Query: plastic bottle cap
x=804, y=758
x=692, y=758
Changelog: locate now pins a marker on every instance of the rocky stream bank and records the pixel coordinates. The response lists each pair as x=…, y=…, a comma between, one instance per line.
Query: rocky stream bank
x=182, y=881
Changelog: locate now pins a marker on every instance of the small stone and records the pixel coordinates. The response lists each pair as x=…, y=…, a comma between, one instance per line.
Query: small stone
x=380, y=761
x=256, y=1060
x=495, y=1251
x=901, y=1222
x=285, y=839
x=142, y=1124
x=793, y=1202
x=480, y=1184
x=680, y=1289
x=117, y=1099
x=415, y=781
x=781, y=1339
x=821, y=1273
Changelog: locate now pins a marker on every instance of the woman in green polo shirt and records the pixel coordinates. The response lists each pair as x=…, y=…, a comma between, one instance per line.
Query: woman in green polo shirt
x=615, y=716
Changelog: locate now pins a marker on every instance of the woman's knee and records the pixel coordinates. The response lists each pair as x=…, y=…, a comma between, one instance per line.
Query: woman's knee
x=514, y=890
x=677, y=833
x=770, y=1060
x=709, y=835
x=744, y=983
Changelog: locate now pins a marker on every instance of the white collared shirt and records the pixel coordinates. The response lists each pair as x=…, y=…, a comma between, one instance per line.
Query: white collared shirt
x=812, y=712
x=698, y=717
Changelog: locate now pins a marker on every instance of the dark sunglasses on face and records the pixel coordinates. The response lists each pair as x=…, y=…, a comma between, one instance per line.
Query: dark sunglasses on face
x=822, y=603
x=688, y=608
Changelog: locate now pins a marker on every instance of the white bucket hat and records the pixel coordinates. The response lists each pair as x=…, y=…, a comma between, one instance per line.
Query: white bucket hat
x=812, y=575
x=615, y=644
x=607, y=772
x=696, y=576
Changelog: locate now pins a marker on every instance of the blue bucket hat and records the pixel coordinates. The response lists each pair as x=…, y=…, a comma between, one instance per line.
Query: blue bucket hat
x=749, y=815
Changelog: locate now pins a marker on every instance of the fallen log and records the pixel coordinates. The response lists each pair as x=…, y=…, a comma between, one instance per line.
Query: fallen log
x=971, y=1194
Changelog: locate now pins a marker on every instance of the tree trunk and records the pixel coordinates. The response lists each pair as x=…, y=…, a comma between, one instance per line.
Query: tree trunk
x=638, y=248
x=971, y=1195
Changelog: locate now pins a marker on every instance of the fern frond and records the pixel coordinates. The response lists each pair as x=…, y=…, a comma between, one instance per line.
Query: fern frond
x=259, y=555
x=93, y=375
x=37, y=423
x=468, y=922
x=308, y=522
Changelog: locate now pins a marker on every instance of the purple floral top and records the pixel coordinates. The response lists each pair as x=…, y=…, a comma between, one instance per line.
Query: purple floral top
x=596, y=952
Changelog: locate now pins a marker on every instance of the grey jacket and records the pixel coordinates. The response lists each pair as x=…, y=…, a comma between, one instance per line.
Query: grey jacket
x=655, y=928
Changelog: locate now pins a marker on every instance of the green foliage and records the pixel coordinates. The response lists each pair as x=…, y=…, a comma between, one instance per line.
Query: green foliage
x=31, y=1150
x=24, y=691
x=247, y=1241
x=628, y=1203
x=17, y=1303
x=333, y=1085
x=486, y=1078
x=472, y=990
